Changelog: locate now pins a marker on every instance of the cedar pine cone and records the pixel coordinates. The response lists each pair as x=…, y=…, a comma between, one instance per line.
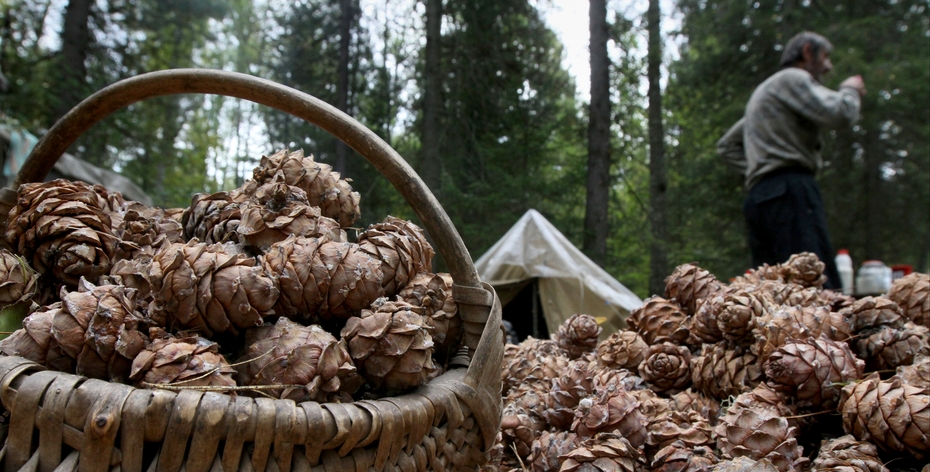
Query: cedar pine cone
x=578, y=335
x=659, y=320
x=813, y=370
x=667, y=367
x=309, y=361
x=912, y=294
x=324, y=187
x=62, y=229
x=391, y=346
x=622, y=350
x=191, y=361
x=689, y=284
x=890, y=413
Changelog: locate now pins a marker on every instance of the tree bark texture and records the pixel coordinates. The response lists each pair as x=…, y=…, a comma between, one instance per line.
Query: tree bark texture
x=658, y=257
x=431, y=162
x=75, y=43
x=598, y=180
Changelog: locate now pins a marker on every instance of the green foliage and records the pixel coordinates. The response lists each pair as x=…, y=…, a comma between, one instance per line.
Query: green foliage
x=306, y=57
x=511, y=139
x=514, y=136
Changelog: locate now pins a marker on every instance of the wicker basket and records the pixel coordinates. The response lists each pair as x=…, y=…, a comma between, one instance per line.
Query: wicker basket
x=64, y=422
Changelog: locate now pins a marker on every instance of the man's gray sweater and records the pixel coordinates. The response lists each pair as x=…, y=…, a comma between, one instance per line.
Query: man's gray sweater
x=782, y=124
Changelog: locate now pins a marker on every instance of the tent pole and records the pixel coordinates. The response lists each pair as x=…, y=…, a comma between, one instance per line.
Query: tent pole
x=536, y=309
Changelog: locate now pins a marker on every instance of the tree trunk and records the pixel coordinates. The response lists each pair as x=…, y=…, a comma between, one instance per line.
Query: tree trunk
x=342, y=81
x=75, y=42
x=658, y=258
x=598, y=182
x=431, y=163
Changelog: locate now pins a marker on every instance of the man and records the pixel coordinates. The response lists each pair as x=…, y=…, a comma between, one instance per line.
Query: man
x=777, y=146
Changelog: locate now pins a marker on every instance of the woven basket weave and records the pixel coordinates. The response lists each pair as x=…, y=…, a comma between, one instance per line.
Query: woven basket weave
x=65, y=422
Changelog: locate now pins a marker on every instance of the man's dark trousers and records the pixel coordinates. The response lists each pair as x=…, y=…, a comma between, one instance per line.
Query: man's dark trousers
x=785, y=216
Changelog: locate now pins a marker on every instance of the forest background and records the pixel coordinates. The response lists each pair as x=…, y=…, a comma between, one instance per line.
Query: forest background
x=476, y=96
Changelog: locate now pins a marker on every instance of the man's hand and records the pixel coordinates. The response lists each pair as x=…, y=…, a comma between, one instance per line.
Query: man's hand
x=855, y=82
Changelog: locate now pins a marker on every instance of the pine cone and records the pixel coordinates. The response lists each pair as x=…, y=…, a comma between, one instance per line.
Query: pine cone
x=738, y=317
x=689, y=428
x=918, y=373
x=32, y=341
x=578, y=335
x=810, y=296
x=533, y=360
x=679, y=457
x=759, y=433
x=116, y=332
x=575, y=383
x=623, y=379
x=209, y=288
x=650, y=404
x=96, y=332
x=659, y=320
x=779, y=292
x=689, y=284
x=813, y=370
x=303, y=278
x=702, y=326
x=605, y=452
x=845, y=454
x=760, y=275
x=391, y=347
x=519, y=428
x=745, y=464
x=912, y=294
x=113, y=204
x=872, y=312
x=804, y=269
x=764, y=396
x=775, y=329
x=309, y=361
x=886, y=348
x=622, y=350
x=529, y=397
x=276, y=211
x=549, y=447
x=324, y=187
x=836, y=301
x=212, y=218
x=143, y=231
x=893, y=415
x=191, y=361
x=433, y=292
x=402, y=249
x=355, y=278
x=691, y=400
x=60, y=227
x=18, y=281
x=720, y=372
x=667, y=367
x=611, y=411
x=132, y=273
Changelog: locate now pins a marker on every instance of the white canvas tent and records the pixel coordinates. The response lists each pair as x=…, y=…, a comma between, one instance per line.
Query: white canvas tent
x=534, y=251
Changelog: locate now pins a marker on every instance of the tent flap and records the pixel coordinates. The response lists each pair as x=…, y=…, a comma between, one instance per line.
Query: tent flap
x=569, y=282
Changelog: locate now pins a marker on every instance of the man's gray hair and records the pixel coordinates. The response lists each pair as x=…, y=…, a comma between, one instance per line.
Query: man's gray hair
x=794, y=50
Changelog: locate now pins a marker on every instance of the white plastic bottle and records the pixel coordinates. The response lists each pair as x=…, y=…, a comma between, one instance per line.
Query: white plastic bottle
x=844, y=266
x=873, y=278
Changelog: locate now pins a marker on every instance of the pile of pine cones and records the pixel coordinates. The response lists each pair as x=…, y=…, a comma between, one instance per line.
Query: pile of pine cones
x=767, y=373
x=253, y=291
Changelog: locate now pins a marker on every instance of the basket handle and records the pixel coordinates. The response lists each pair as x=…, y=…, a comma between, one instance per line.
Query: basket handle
x=280, y=97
